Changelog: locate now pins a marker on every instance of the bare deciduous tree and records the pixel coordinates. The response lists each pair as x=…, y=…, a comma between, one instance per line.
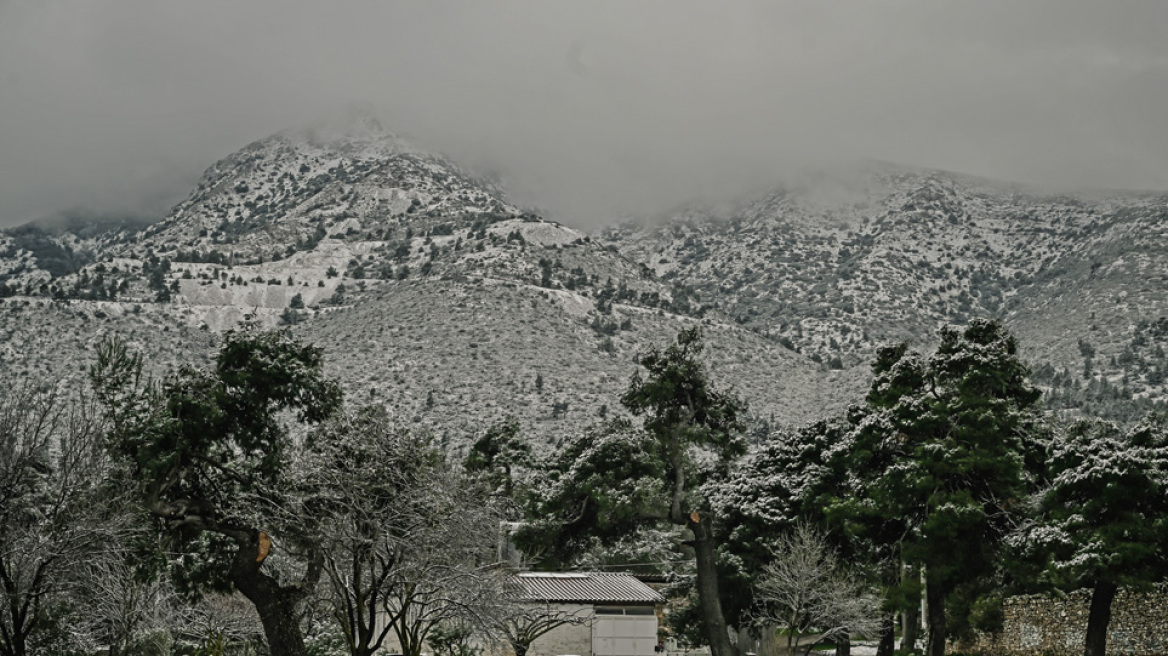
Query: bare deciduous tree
x=57, y=515
x=224, y=621
x=806, y=590
x=407, y=541
x=127, y=612
x=527, y=620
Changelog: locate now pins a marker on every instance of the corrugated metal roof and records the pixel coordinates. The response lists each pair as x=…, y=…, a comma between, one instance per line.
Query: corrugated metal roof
x=589, y=588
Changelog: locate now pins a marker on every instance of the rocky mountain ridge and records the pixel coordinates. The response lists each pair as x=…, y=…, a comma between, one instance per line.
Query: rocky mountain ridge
x=892, y=254
x=437, y=298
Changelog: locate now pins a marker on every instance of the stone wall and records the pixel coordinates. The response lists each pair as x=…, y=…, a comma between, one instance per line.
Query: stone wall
x=1039, y=625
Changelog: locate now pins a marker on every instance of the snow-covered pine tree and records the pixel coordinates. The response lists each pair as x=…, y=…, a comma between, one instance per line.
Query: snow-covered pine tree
x=940, y=456
x=1104, y=520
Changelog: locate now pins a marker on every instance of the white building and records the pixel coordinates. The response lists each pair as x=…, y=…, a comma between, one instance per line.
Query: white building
x=618, y=613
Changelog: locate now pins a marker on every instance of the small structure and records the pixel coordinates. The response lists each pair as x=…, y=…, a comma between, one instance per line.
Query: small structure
x=614, y=614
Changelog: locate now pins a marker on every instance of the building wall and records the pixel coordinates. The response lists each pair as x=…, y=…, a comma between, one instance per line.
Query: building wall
x=1038, y=625
x=568, y=639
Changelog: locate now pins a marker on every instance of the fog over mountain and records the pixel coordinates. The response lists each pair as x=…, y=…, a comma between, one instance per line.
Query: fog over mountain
x=589, y=110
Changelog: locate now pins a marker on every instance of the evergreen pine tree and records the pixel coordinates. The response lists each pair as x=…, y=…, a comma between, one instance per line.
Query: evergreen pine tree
x=942, y=450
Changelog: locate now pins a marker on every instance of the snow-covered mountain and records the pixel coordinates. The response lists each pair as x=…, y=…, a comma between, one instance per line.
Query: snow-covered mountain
x=430, y=292
x=436, y=297
x=289, y=191
x=849, y=259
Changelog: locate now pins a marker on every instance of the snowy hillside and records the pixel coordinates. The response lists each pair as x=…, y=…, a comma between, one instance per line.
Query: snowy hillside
x=437, y=298
x=884, y=254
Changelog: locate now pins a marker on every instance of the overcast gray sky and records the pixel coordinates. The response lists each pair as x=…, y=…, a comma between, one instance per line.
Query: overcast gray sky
x=590, y=108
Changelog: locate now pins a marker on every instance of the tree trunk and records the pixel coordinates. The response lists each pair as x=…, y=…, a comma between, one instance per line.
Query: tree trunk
x=15, y=632
x=16, y=642
x=363, y=649
x=912, y=622
x=911, y=616
x=275, y=604
x=1099, y=618
x=708, y=597
x=843, y=646
x=14, y=646
x=935, y=611
x=887, y=636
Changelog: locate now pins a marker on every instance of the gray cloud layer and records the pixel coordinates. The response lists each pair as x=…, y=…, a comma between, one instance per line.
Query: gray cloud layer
x=590, y=109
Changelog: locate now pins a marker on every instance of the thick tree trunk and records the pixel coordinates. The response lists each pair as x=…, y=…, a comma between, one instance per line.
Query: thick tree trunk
x=20, y=615
x=843, y=646
x=363, y=649
x=887, y=642
x=275, y=604
x=14, y=646
x=935, y=610
x=16, y=643
x=708, y=597
x=910, y=629
x=1099, y=618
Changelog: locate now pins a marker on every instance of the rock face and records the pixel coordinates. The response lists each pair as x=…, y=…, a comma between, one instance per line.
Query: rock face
x=1036, y=625
x=440, y=300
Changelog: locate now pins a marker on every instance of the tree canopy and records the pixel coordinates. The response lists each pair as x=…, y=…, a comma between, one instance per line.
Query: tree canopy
x=207, y=449
x=1104, y=514
x=621, y=478
x=940, y=456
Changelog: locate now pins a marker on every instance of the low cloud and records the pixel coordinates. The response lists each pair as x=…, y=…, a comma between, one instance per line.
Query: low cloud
x=590, y=110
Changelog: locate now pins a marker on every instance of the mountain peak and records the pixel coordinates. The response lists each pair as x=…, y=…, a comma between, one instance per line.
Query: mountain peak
x=357, y=127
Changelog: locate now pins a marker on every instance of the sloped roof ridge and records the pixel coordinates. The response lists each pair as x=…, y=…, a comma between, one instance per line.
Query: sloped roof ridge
x=587, y=587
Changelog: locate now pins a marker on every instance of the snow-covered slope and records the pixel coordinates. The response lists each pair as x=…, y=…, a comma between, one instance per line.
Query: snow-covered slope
x=431, y=294
x=836, y=266
x=441, y=300
x=291, y=190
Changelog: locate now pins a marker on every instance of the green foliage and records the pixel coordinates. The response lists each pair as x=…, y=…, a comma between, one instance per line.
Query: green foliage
x=289, y=317
x=942, y=448
x=453, y=639
x=679, y=405
x=545, y=272
x=685, y=622
x=615, y=479
x=789, y=478
x=52, y=254
x=326, y=643
x=602, y=485
x=1099, y=398
x=1105, y=511
x=199, y=443
x=619, y=479
x=497, y=454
